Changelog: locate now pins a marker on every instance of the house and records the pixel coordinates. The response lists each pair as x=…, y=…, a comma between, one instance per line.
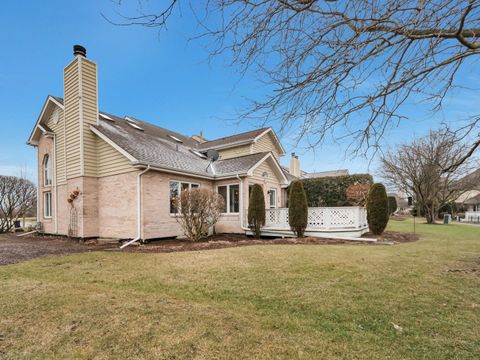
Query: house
x=102, y=175
x=469, y=201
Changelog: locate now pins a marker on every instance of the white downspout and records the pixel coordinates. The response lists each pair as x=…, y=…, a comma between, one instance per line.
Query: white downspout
x=38, y=186
x=139, y=209
x=55, y=181
x=242, y=210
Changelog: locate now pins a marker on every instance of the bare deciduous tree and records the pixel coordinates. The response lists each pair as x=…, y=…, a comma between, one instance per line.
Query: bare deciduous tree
x=17, y=197
x=352, y=63
x=199, y=209
x=418, y=170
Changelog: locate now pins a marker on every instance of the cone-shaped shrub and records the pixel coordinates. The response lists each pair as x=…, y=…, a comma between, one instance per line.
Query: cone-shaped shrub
x=377, y=209
x=392, y=205
x=256, y=210
x=297, y=208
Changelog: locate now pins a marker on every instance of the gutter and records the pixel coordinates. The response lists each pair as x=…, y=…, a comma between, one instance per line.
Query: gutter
x=139, y=209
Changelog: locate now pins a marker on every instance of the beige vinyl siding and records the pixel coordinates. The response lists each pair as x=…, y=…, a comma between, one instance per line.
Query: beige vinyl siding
x=110, y=161
x=80, y=101
x=234, y=152
x=266, y=143
x=90, y=114
x=56, y=122
x=265, y=167
x=72, y=116
x=271, y=181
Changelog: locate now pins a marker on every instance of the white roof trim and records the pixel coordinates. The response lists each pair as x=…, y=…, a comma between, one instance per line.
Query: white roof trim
x=275, y=137
x=277, y=165
x=111, y=143
x=229, y=145
x=40, y=117
x=190, y=174
x=45, y=131
x=173, y=171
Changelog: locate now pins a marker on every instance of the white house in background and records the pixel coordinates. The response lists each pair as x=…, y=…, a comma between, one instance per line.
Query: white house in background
x=102, y=175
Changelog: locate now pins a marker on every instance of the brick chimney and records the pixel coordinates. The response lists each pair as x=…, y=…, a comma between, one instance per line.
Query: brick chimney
x=294, y=165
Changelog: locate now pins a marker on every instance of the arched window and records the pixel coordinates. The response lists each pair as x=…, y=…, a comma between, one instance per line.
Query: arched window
x=47, y=170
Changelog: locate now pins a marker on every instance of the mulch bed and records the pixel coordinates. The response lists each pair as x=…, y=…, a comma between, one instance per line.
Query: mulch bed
x=221, y=241
x=14, y=249
x=394, y=236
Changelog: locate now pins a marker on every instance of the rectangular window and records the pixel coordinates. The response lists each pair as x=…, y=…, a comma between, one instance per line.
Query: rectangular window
x=175, y=188
x=234, y=199
x=222, y=190
x=273, y=198
x=47, y=204
x=231, y=196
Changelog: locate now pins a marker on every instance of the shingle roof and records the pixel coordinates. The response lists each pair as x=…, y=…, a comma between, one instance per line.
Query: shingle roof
x=321, y=174
x=239, y=164
x=155, y=146
x=237, y=138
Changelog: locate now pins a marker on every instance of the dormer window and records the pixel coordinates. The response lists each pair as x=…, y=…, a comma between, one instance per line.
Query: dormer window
x=47, y=170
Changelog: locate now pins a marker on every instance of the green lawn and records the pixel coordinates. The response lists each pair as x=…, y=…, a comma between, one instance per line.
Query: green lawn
x=262, y=302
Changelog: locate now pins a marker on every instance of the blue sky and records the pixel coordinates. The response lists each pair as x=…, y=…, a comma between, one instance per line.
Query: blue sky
x=157, y=77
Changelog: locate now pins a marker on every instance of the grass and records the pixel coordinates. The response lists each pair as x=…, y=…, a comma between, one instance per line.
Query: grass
x=335, y=301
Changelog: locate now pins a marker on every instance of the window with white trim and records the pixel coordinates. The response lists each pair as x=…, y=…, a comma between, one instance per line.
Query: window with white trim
x=272, y=194
x=47, y=204
x=175, y=188
x=47, y=170
x=231, y=196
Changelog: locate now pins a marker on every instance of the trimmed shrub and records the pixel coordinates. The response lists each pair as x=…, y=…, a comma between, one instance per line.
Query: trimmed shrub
x=297, y=208
x=256, y=210
x=377, y=209
x=332, y=190
x=199, y=210
x=392, y=205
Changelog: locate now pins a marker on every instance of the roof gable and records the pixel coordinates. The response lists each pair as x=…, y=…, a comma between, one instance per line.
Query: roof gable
x=245, y=138
x=40, y=127
x=274, y=165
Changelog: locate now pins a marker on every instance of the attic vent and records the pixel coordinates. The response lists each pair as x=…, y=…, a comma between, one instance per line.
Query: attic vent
x=55, y=116
x=106, y=117
x=135, y=126
x=175, y=138
x=199, y=154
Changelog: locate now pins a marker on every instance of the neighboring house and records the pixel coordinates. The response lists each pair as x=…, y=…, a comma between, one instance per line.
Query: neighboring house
x=294, y=171
x=470, y=200
x=322, y=174
x=100, y=175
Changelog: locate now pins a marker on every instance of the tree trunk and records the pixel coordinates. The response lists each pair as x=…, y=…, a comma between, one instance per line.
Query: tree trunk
x=430, y=214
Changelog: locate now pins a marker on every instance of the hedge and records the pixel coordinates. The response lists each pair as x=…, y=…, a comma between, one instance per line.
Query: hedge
x=331, y=191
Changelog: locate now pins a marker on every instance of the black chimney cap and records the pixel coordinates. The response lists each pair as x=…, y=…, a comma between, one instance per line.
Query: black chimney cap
x=79, y=50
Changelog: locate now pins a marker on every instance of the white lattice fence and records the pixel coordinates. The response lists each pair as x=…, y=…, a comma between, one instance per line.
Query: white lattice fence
x=321, y=218
x=277, y=218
